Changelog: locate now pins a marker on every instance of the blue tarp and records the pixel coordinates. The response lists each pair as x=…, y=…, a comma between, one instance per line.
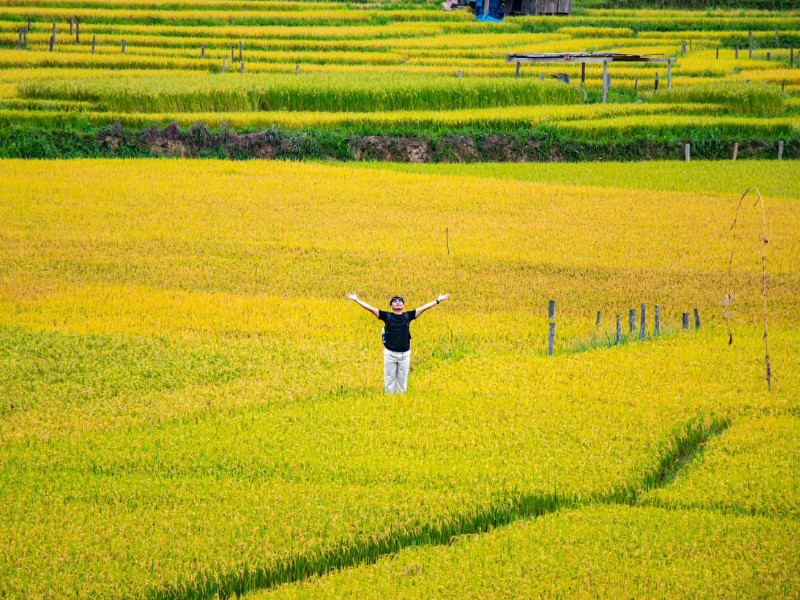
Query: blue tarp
x=488, y=19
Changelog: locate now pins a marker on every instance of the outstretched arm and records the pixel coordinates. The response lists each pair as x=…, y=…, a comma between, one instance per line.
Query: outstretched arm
x=363, y=304
x=425, y=307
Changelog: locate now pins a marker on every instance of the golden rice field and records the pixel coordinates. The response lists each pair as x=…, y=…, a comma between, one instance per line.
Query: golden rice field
x=257, y=64
x=190, y=408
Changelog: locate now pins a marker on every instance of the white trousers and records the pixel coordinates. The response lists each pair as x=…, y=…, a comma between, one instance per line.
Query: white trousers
x=395, y=371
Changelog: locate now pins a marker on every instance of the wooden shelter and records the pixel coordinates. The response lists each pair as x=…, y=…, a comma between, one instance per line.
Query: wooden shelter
x=538, y=7
x=582, y=58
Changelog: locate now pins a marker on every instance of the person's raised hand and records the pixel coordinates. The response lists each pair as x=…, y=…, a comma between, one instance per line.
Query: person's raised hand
x=443, y=297
x=352, y=296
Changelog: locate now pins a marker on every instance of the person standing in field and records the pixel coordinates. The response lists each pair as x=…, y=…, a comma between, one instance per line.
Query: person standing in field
x=397, y=339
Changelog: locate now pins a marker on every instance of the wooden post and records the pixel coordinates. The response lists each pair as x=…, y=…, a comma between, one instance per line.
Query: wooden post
x=769, y=56
x=202, y=50
x=735, y=150
x=583, y=73
x=686, y=320
x=223, y=64
x=71, y=25
x=460, y=73
x=297, y=69
x=777, y=38
x=655, y=86
x=669, y=75
x=780, y=150
x=636, y=87
x=241, y=67
x=25, y=37
x=657, y=328
x=619, y=330
x=642, y=325
x=605, y=80
x=94, y=43
x=683, y=47
x=597, y=322
x=29, y=24
x=551, y=309
x=690, y=45
x=516, y=72
x=696, y=319
x=737, y=52
x=717, y=53
x=123, y=46
x=240, y=50
x=541, y=76
x=233, y=59
x=52, y=42
x=631, y=320
x=750, y=45
x=78, y=32
x=551, y=338
x=783, y=87
x=687, y=152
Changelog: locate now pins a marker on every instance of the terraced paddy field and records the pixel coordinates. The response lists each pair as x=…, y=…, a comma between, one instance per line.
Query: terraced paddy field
x=323, y=76
x=190, y=408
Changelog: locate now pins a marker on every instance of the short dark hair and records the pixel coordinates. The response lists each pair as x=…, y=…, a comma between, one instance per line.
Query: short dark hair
x=396, y=298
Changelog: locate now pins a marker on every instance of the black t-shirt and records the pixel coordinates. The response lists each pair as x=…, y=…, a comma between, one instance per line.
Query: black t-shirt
x=398, y=334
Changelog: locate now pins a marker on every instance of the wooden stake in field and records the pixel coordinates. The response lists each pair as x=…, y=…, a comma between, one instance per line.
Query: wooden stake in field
x=685, y=321
x=631, y=320
x=687, y=152
x=52, y=42
x=240, y=50
x=737, y=51
x=780, y=150
x=619, y=330
x=657, y=327
x=123, y=46
x=551, y=338
x=735, y=150
x=655, y=86
x=202, y=50
x=516, y=72
x=605, y=80
x=729, y=297
x=94, y=43
x=636, y=87
x=297, y=69
x=642, y=324
x=696, y=319
x=241, y=67
x=750, y=45
x=597, y=322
